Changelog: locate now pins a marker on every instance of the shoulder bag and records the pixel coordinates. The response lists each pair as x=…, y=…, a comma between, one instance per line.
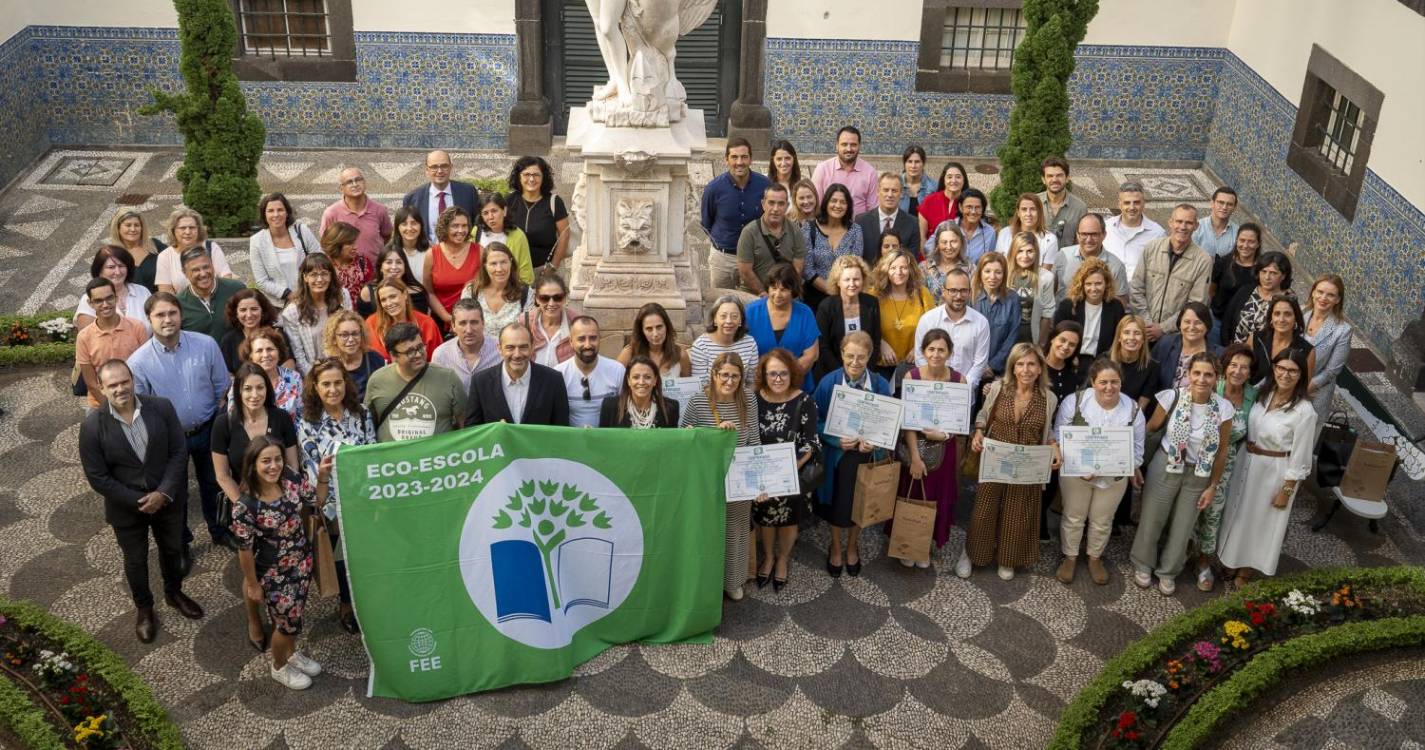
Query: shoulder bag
x=384, y=413
x=811, y=472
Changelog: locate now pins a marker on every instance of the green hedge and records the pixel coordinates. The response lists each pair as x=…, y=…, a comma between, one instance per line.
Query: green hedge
x=1273, y=665
x=1085, y=713
x=45, y=353
x=28, y=721
x=153, y=721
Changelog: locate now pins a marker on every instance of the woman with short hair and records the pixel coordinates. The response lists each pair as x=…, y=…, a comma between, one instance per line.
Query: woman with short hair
x=726, y=332
x=787, y=415
x=115, y=264
x=277, y=250
x=539, y=213
x=345, y=338
x=1092, y=499
x=946, y=252
x=1246, y=312
x=780, y=320
x=267, y=348
x=352, y=270
x=726, y=403
x=451, y=264
x=1174, y=351
x=843, y=457
x=186, y=230
x=991, y=297
x=548, y=321
x=849, y=307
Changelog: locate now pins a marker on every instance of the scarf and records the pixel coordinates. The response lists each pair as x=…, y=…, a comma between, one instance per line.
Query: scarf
x=1179, y=430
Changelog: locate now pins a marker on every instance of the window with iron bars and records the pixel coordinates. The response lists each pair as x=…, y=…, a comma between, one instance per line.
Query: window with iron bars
x=980, y=38
x=1342, y=132
x=284, y=28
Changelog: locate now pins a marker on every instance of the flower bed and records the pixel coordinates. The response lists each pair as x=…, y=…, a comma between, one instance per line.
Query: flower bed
x=46, y=339
x=61, y=688
x=1174, y=687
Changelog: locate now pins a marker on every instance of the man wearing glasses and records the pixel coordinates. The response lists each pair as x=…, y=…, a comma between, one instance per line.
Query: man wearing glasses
x=411, y=398
x=356, y=208
x=430, y=201
x=969, y=330
x=110, y=336
x=588, y=377
x=1090, y=234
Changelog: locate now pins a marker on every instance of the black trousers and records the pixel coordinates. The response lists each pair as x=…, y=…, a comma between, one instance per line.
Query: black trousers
x=167, y=528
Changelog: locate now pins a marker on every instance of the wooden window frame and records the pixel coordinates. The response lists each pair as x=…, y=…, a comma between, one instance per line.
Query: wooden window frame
x=337, y=64
x=1327, y=76
x=930, y=75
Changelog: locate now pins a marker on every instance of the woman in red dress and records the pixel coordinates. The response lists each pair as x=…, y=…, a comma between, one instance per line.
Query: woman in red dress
x=452, y=263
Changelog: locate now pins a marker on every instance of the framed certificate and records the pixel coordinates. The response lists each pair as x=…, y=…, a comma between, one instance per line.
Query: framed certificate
x=862, y=415
x=1096, y=451
x=1008, y=463
x=758, y=469
x=933, y=405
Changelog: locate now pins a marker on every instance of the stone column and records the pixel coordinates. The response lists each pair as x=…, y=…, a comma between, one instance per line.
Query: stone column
x=750, y=118
x=531, y=124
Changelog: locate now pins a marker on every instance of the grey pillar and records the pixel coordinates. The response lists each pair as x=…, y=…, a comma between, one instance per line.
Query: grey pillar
x=531, y=125
x=750, y=118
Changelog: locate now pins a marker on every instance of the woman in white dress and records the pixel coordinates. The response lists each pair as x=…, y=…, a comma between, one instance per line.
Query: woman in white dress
x=1280, y=433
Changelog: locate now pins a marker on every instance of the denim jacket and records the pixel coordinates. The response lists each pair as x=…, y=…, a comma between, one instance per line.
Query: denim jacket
x=1003, y=315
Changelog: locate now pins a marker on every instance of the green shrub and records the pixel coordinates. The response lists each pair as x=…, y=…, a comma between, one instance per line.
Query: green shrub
x=152, y=719
x=223, y=141
x=1039, y=123
x=1084, y=714
x=26, y=720
x=490, y=185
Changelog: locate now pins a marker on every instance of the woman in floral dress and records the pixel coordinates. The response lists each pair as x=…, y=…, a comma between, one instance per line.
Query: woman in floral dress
x=788, y=414
x=274, y=556
x=1236, y=371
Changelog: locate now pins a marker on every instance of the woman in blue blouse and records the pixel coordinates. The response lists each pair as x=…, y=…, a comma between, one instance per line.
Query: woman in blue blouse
x=998, y=303
x=332, y=416
x=780, y=320
x=844, y=457
x=831, y=235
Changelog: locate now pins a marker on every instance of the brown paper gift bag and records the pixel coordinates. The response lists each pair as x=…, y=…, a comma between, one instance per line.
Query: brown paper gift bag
x=913, y=527
x=874, y=500
x=323, y=559
x=1369, y=470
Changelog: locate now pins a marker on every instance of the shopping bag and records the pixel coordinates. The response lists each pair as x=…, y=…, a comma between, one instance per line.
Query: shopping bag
x=1369, y=470
x=913, y=527
x=874, y=500
x=323, y=560
x=1333, y=451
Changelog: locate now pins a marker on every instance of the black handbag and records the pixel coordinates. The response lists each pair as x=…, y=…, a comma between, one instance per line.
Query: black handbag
x=932, y=454
x=811, y=472
x=1333, y=450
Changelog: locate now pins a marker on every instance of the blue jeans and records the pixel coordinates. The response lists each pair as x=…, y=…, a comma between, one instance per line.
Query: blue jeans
x=200, y=451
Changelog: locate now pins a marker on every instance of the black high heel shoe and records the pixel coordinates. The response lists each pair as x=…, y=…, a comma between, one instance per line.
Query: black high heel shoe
x=260, y=646
x=763, y=580
x=834, y=570
x=853, y=569
x=778, y=583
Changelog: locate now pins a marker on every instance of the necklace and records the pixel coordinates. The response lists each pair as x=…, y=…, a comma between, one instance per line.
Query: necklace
x=899, y=311
x=641, y=419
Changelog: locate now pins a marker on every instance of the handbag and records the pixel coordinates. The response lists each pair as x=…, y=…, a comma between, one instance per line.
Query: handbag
x=77, y=385
x=1334, y=449
x=932, y=453
x=970, y=464
x=810, y=473
x=1154, y=440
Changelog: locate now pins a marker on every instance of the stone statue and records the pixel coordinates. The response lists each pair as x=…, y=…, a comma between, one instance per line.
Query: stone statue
x=635, y=225
x=638, y=40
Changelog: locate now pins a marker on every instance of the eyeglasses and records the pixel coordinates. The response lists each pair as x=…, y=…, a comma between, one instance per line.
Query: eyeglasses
x=349, y=335
x=531, y=175
x=411, y=351
x=728, y=377
x=585, y=382
x=353, y=181
x=547, y=298
x=1090, y=234
x=1285, y=370
x=778, y=375
x=948, y=290
x=438, y=167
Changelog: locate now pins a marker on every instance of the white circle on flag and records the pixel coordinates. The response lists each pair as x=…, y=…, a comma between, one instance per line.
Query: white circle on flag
x=549, y=546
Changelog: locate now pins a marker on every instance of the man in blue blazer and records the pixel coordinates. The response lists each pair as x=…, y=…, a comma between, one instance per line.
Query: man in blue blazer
x=429, y=200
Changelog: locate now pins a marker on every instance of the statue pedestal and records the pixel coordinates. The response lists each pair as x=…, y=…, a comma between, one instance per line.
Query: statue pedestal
x=633, y=202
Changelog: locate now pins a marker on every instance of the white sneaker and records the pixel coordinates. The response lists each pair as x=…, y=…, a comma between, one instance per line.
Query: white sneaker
x=1166, y=586
x=735, y=594
x=304, y=664
x=922, y=564
x=1006, y=573
x=962, y=566
x=1143, y=580
x=292, y=677
x=907, y=563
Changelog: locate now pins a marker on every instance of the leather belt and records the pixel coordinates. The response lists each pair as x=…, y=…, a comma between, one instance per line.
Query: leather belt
x=1254, y=450
x=198, y=429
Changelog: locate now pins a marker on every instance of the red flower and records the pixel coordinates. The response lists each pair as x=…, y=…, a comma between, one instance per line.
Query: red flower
x=1127, y=719
x=1132, y=736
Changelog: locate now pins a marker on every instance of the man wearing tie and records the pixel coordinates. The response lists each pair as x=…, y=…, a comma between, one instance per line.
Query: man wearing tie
x=430, y=201
x=518, y=391
x=134, y=455
x=887, y=216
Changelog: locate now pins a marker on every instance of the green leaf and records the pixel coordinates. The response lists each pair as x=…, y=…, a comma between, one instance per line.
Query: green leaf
x=556, y=508
x=548, y=488
x=588, y=504
x=537, y=506
x=570, y=492
x=527, y=489
x=602, y=520
x=515, y=503
x=574, y=520
x=524, y=519
x=503, y=521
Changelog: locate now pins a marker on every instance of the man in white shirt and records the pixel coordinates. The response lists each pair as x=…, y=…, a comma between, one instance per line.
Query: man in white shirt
x=588, y=377
x=968, y=329
x=518, y=391
x=1218, y=236
x=472, y=350
x=1131, y=231
x=431, y=200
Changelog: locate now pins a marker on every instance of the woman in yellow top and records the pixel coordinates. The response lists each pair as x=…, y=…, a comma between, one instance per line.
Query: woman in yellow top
x=900, y=288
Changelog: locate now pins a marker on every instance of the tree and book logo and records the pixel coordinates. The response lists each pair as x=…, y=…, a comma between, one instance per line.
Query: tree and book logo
x=549, y=546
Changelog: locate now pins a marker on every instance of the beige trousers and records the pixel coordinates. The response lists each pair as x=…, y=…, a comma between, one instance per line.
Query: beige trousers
x=722, y=269
x=1085, y=502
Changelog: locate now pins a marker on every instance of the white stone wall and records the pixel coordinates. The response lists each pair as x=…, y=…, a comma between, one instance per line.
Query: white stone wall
x=1381, y=40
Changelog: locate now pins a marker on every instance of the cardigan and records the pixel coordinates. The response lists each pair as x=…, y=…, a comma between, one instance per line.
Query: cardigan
x=831, y=321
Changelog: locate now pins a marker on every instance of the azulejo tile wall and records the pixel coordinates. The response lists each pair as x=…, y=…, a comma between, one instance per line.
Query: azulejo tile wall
x=1128, y=102
x=21, y=107
x=413, y=90
x=1378, y=254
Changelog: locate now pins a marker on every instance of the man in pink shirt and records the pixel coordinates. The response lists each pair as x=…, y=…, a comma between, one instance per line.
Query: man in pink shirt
x=358, y=210
x=848, y=169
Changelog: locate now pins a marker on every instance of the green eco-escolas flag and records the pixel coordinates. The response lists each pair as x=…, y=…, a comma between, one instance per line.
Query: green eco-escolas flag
x=511, y=554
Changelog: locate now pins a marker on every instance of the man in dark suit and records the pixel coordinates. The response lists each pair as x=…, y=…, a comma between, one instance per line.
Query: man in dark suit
x=519, y=390
x=429, y=201
x=887, y=216
x=135, y=455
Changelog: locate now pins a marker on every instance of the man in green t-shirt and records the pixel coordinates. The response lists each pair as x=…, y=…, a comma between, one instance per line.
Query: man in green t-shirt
x=433, y=404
